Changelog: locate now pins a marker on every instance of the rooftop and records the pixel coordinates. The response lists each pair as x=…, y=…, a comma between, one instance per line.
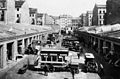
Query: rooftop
x=10, y=31
x=18, y=4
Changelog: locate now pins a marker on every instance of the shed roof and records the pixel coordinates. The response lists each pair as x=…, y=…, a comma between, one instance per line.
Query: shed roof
x=10, y=31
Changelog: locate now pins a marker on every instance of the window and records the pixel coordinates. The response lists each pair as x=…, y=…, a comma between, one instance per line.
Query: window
x=100, y=17
x=2, y=16
x=43, y=58
x=54, y=58
x=17, y=9
x=59, y=59
x=100, y=12
x=17, y=15
x=103, y=11
x=49, y=58
x=101, y=22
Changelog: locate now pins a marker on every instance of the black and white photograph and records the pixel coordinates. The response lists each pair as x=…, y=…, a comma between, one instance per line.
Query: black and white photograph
x=59, y=39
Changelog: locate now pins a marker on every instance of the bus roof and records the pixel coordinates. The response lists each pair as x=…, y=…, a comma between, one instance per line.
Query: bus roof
x=47, y=50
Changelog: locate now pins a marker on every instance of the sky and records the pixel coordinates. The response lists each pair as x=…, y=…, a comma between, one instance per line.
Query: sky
x=59, y=7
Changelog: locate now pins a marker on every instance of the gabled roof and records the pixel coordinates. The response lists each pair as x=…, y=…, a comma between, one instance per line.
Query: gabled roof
x=18, y=4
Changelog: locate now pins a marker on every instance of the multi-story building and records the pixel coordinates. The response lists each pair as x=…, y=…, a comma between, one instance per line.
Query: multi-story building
x=83, y=19
x=33, y=13
x=113, y=11
x=65, y=20
x=21, y=12
x=89, y=15
x=98, y=14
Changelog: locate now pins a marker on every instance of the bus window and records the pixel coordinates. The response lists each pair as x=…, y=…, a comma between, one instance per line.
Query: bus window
x=54, y=58
x=60, y=59
x=43, y=58
x=49, y=58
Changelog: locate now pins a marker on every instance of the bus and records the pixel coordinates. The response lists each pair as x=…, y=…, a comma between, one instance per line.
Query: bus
x=54, y=58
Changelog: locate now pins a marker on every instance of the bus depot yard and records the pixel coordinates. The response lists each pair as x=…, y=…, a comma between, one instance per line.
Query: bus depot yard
x=55, y=62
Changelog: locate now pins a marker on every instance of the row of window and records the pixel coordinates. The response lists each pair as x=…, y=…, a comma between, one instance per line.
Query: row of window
x=101, y=16
x=31, y=15
x=52, y=58
x=101, y=11
x=101, y=22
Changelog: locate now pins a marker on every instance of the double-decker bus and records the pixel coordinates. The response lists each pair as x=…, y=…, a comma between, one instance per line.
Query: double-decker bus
x=52, y=57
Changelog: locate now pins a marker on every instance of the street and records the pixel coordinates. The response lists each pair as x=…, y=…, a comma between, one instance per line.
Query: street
x=37, y=74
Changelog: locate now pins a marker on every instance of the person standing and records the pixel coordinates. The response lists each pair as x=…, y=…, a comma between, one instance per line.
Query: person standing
x=73, y=73
x=45, y=69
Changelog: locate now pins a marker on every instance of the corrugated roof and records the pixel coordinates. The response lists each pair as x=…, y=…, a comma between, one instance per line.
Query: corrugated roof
x=11, y=30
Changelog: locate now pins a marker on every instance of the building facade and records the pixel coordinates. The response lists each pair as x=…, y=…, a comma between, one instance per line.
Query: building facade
x=22, y=12
x=83, y=19
x=113, y=11
x=98, y=15
x=33, y=13
x=89, y=15
x=65, y=21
